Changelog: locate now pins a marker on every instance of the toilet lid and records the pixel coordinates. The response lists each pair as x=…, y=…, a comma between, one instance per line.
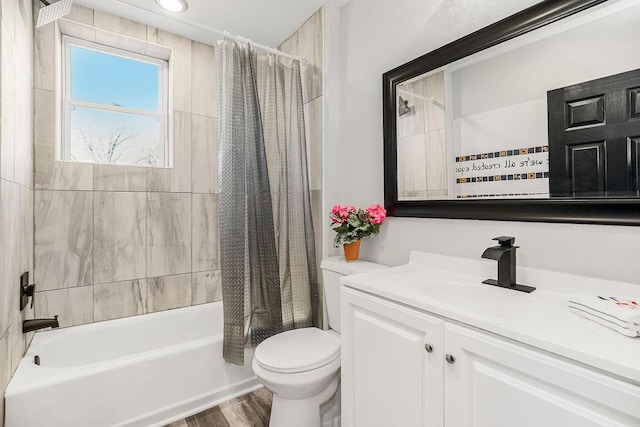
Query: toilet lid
x=299, y=350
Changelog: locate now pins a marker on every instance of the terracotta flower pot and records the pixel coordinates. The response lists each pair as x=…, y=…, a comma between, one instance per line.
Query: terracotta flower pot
x=351, y=251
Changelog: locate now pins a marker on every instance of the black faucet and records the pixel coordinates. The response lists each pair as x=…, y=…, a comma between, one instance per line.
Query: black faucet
x=35, y=324
x=505, y=254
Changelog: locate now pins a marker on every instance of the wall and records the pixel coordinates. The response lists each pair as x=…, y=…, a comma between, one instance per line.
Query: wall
x=422, y=152
x=114, y=241
x=492, y=112
x=377, y=36
x=16, y=180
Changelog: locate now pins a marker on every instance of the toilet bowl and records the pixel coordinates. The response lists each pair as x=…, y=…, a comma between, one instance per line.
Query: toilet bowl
x=302, y=367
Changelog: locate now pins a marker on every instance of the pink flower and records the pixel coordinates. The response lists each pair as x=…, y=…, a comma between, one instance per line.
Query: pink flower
x=352, y=224
x=377, y=213
x=339, y=214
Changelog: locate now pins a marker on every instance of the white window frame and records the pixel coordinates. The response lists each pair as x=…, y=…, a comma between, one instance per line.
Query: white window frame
x=162, y=115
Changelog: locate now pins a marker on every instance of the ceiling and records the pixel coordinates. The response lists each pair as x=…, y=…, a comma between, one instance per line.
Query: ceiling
x=267, y=22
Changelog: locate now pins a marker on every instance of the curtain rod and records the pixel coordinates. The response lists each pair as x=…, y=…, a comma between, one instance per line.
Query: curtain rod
x=241, y=39
x=277, y=52
x=217, y=32
x=415, y=95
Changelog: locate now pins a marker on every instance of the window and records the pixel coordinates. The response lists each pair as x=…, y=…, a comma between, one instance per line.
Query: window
x=115, y=106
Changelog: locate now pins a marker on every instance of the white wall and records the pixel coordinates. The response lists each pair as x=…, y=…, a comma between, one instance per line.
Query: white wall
x=597, y=49
x=378, y=35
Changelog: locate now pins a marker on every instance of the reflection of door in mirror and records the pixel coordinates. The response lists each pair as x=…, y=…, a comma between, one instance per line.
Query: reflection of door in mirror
x=422, y=154
x=594, y=137
x=491, y=142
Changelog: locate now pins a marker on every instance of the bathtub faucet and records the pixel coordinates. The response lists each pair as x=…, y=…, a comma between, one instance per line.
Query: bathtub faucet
x=35, y=324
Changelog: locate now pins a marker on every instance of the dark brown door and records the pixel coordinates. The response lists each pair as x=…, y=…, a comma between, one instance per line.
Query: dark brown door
x=594, y=138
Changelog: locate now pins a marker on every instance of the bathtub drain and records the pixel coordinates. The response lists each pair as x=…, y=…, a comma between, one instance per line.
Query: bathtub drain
x=36, y=360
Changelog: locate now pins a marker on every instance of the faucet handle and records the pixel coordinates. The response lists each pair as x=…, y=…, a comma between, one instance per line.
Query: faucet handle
x=505, y=241
x=26, y=291
x=30, y=292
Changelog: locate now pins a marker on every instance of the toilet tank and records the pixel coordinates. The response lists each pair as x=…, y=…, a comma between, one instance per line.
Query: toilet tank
x=332, y=270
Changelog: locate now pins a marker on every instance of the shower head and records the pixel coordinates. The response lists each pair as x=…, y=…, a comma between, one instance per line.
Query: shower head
x=403, y=107
x=53, y=11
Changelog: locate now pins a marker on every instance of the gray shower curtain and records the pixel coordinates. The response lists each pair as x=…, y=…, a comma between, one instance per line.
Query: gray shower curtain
x=268, y=269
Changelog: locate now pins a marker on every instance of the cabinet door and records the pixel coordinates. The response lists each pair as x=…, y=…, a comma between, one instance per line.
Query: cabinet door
x=391, y=364
x=494, y=382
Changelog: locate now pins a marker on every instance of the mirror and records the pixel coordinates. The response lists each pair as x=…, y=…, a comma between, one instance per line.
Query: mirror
x=536, y=117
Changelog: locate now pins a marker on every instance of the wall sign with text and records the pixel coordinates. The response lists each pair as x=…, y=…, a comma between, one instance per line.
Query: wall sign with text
x=517, y=172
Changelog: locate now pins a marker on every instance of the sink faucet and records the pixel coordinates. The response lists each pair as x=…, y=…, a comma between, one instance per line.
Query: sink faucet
x=505, y=254
x=35, y=324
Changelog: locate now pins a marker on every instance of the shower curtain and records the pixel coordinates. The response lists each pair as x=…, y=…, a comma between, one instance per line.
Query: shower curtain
x=268, y=268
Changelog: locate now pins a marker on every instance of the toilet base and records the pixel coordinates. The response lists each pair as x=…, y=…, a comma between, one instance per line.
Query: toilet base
x=331, y=410
x=289, y=412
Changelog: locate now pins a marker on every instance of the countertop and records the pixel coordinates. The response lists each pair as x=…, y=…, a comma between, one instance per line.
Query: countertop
x=451, y=287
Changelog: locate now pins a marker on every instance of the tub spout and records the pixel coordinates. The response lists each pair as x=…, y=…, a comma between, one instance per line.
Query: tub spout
x=35, y=324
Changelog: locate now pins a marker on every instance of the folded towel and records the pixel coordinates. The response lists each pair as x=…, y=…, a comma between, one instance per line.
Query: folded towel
x=630, y=332
x=621, y=314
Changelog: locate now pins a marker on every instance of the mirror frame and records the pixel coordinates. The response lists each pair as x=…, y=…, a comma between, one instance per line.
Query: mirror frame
x=615, y=211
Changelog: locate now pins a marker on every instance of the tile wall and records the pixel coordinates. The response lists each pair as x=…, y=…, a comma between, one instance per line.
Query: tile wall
x=422, y=159
x=115, y=241
x=16, y=179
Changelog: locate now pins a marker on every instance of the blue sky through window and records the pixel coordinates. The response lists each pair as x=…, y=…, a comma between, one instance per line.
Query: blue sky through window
x=99, y=135
x=112, y=80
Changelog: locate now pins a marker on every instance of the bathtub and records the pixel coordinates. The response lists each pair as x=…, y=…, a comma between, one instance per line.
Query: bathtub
x=138, y=371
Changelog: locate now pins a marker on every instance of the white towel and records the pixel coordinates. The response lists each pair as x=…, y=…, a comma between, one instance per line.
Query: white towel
x=630, y=332
x=622, y=314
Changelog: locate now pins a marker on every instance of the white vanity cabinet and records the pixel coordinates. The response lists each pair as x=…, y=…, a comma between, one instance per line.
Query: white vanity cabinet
x=405, y=367
x=494, y=382
x=391, y=364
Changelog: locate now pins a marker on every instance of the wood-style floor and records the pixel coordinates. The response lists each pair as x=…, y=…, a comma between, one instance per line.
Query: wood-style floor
x=250, y=410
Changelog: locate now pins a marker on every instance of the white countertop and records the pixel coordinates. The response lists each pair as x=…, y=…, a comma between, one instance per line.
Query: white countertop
x=451, y=287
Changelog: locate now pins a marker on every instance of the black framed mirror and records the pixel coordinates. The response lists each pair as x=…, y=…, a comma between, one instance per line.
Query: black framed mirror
x=518, y=121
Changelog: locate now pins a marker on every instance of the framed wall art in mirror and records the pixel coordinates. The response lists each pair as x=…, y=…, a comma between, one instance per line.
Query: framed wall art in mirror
x=533, y=118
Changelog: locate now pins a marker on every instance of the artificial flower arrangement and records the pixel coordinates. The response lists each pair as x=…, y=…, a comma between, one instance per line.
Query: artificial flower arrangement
x=351, y=225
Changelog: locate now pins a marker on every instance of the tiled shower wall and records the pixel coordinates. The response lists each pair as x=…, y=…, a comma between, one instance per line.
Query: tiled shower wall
x=422, y=153
x=16, y=179
x=115, y=241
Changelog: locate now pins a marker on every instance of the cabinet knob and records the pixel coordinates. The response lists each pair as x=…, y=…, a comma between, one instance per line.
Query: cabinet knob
x=450, y=358
x=428, y=347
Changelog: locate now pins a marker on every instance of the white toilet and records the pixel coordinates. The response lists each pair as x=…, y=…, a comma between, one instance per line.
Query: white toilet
x=302, y=367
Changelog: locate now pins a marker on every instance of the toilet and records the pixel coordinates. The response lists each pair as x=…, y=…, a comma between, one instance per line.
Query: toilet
x=302, y=367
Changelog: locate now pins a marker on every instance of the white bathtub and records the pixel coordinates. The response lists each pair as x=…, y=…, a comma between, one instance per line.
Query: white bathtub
x=139, y=371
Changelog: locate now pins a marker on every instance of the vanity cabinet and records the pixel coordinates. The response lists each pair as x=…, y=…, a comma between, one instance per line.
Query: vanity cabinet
x=392, y=364
x=404, y=367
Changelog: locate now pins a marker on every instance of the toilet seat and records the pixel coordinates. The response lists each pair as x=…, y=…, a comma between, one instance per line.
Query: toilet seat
x=299, y=350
